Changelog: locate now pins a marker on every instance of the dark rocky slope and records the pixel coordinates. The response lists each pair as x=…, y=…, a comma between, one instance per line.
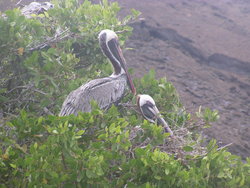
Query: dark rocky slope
x=203, y=48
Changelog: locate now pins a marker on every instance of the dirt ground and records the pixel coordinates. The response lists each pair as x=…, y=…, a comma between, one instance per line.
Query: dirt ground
x=202, y=46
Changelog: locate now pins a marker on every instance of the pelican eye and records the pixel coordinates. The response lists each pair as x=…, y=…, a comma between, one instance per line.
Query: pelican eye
x=103, y=37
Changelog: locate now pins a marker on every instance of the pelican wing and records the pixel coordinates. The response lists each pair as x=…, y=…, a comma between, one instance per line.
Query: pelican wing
x=151, y=113
x=105, y=92
x=148, y=112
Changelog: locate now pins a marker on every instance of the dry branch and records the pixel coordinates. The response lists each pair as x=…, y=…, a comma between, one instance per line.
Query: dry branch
x=51, y=40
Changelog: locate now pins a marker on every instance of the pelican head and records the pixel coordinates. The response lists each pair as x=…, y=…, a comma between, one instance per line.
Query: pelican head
x=147, y=107
x=109, y=43
x=150, y=112
x=109, y=35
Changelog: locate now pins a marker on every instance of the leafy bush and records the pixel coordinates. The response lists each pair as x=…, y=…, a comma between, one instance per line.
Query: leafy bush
x=98, y=149
x=95, y=149
x=42, y=60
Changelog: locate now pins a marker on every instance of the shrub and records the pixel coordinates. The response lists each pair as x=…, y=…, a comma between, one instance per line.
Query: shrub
x=44, y=58
x=96, y=149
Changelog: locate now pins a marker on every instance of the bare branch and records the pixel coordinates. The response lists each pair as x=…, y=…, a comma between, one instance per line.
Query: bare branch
x=19, y=87
x=19, y=2
x=47, y=111
x=51, y=40
x=224, y=146
x=130, y=106
x=38, y=91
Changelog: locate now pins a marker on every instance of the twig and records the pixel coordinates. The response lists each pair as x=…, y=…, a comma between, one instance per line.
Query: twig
x=224, y=146
x=126, y=105
x=10, y=114
x=38, y=91
x=58, y=37
x=19, y=87
x=130, y=106
x=122, y=31
x=27, y=87
x=63, y=161
x=19, y=2
x=47, y=111
x=218, y=149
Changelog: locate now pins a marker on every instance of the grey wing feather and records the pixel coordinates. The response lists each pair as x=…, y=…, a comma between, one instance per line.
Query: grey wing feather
x=105, y=92
x=151, y=113
x=148, y=113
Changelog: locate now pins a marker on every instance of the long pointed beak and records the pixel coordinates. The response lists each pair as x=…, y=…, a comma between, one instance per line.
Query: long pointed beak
x=116, y=52
x=165, y=125
x=161, y=121
x=124, y=66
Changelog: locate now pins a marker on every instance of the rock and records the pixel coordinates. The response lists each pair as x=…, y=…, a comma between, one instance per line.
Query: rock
x=36, y=8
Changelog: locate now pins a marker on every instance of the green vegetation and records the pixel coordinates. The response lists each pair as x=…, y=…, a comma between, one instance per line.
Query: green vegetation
x=113, y=148
x=43, y=59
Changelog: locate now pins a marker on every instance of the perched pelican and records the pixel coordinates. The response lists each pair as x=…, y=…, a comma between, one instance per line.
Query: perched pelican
x=150, y=112
x=105, y=91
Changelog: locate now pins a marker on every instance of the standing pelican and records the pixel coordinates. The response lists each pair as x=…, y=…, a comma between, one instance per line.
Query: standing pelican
x=105, y=91
x=150, y=112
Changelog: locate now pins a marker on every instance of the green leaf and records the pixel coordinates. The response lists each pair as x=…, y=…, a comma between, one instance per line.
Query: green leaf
x=81, y=132
x=3, y=90
x=166, y=171
x=23, y=114
x=40, y=119
x=221, y=174
x=188, y=148
x=135, y=13
x=211, y=145
x=12, y=165
x=53, y=174
x=55, y=131
x=157, y=177
x=90, y=174
x=35, y=145
x=242, y=181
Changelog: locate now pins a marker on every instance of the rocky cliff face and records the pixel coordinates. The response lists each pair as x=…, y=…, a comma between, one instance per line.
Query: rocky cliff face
x=203, y=48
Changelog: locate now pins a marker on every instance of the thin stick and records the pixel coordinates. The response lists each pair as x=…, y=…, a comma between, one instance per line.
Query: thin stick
x=63, y=161
x=57, y=38
x=47, y=111
x=19, y=2
x=224, y=146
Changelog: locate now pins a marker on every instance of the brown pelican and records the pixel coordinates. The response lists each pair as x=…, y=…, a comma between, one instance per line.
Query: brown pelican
x=150, y=112
x=105, y=91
